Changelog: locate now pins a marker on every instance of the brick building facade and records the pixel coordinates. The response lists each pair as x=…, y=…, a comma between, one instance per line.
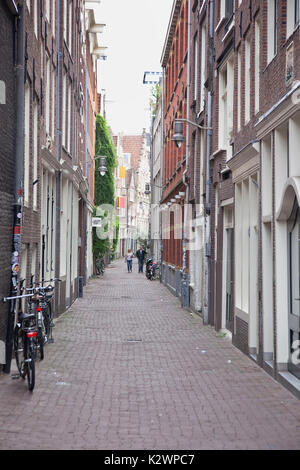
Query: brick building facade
x=60, y=55
x=244, y=275
x=174, y=63
x=132, y=174
x=8, y=113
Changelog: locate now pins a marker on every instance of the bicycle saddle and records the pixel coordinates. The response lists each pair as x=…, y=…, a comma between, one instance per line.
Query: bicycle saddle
x=26, y=316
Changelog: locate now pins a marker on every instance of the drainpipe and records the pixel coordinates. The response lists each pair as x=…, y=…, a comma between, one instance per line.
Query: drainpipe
x=85, y=202
x=206, y=310
x=18, y=185
x=185, y=302
x=162, y=171
x=58, y=148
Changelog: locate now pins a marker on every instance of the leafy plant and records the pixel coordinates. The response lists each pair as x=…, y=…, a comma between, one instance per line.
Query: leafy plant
x=104, y=186
x=156, y=93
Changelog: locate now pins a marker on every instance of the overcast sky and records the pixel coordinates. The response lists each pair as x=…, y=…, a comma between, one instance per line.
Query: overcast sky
x=135, y=33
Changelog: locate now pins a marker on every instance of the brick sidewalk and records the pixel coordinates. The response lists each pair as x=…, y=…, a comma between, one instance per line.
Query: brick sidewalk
x=130, y=369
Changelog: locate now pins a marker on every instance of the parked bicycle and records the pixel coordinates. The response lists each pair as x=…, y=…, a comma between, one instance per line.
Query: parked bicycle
x=26, y=343
x=152, y=269
x=33, y=328
x=100, y=267
x=42, y=297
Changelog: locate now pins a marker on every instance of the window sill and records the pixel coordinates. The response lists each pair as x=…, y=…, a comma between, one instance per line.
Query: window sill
x=292, y=33
x=228, y=33
x=217, y=152
x=270, y=62
x=220, y=24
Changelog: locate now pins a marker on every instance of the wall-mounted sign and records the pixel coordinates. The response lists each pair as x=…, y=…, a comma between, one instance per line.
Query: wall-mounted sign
x=2, y=93
x=96, y=222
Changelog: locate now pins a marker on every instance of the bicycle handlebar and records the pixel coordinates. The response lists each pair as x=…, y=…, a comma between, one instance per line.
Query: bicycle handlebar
x=5, y=299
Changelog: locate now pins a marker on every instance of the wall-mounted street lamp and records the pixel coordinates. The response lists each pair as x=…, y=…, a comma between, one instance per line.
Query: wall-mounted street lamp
x=102, y=167
x=148, y=188
x=178, y=137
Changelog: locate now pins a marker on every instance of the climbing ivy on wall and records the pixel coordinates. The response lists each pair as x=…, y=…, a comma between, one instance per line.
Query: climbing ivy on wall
x=104, y=185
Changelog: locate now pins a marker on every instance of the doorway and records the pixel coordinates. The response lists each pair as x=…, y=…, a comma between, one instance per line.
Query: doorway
x=294, y=289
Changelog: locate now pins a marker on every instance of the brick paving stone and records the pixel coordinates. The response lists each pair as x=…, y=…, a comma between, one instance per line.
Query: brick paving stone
x=130, y=369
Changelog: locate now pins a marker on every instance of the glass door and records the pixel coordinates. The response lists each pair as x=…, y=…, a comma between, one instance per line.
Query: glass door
x=229, y=278
x=294, y=290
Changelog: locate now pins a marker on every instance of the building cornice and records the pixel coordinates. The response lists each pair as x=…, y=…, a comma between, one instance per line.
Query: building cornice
x=170, y=32
x=280, y=112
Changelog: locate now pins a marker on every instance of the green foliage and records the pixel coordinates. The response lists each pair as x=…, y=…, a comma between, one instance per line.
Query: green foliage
x=104, y=185
x=156, y=93
x=116, y=238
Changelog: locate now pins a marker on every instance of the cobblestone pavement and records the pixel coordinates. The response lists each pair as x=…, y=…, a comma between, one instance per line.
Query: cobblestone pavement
x=130, y=369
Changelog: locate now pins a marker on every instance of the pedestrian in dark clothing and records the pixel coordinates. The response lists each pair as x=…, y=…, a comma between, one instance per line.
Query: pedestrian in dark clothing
x=140, y=254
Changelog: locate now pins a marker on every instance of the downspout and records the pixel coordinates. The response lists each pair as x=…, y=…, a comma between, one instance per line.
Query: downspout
x=85, y=202
x=185, y=283
x=18, y=185
x=152, y=186
x=162, y=146
x=58, y=147
x=208, y=221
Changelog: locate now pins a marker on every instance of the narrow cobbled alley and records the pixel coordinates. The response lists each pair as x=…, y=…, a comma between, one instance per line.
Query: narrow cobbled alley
x=129, y=369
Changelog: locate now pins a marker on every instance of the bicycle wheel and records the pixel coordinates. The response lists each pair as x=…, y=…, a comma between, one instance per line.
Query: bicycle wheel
x=47, y=318
x=30, y=363
x=19, y=350
x=39, y=344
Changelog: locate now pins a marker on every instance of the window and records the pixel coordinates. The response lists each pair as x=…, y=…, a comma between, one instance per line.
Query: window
x=296, y=15
x=239, y=85
x=203, y=65
x=64, y=106
x=226, y=94
x=69, y=117
x=65, y=19
x=126, y=159
x=70, y=26
x=48, y=84
x=272, y=29
x=229, y=8
x=294, y=234
x=53, y=16
x=35, y=17
x=35, y=153
x=247, y=78
x=293, y=10
x=53, y=102
x=246, y=245
x=195, y=66
x=257, y=64
x=26, y=144
x=47, y=9
x=223, y=107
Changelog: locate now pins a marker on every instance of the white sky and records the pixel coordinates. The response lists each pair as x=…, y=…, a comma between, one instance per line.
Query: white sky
x=134, y=34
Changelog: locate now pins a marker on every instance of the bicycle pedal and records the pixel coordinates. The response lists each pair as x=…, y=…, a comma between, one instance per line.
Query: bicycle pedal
x=51, y=341
x=15, y=376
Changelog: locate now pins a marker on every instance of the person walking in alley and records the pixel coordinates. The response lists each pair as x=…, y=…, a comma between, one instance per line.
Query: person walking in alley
x=140, y=254
x=129, y=258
